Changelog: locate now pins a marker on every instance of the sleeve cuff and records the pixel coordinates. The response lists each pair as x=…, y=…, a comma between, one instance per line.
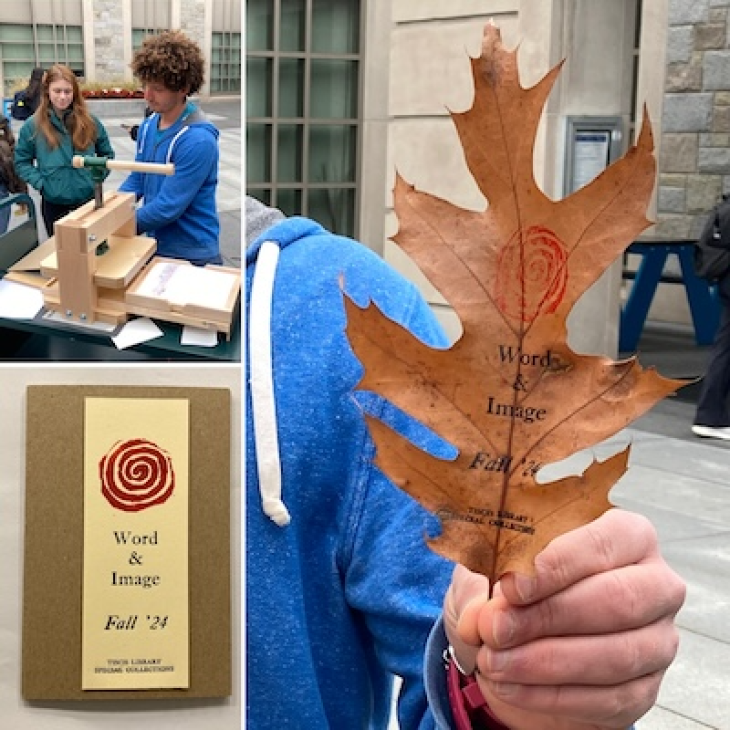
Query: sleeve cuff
x=437, y=690
x=435, y=677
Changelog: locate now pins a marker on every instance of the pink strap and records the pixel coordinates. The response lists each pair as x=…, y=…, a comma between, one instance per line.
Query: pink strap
x=456, y=699
x=468, y=706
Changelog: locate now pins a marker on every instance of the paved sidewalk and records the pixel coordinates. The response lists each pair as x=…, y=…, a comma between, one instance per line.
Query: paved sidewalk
x=682, y=483
x=683, y=487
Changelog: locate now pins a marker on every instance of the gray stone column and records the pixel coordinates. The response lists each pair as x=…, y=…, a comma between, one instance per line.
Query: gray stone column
x=196, y=20
x=193, y=19
x=694, y=162
x=112, y=37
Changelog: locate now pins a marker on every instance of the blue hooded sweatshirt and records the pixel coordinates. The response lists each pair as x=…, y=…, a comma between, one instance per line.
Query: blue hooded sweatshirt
x=341, y=590
x=179, y=210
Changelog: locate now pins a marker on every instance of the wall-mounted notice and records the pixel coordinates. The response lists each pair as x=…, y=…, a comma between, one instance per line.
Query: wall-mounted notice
x=591, y=145
x=590, y=157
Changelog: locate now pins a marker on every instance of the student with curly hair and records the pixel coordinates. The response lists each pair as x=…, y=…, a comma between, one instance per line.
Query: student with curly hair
x=178, y=210
x=61, y=127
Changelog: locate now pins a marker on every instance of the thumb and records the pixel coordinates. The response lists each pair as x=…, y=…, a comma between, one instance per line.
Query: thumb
x=467, y=594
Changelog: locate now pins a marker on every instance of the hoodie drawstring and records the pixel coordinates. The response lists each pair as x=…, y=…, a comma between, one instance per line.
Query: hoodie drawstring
x=263, y=399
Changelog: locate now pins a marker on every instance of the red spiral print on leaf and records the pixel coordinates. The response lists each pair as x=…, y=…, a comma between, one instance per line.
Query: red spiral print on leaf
x=136, y=474
x=531, y=274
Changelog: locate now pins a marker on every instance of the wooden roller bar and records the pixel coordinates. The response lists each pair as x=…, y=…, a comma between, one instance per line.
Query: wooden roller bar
x=155, y=168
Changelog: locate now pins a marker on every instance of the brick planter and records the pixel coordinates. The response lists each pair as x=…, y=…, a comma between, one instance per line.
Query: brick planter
x=130, y=107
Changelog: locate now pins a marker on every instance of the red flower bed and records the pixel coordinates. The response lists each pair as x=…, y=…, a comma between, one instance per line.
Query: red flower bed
x=112, y=93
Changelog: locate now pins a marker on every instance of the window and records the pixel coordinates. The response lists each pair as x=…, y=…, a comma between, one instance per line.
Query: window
x=139, y=35
x=149, y=17
x=22, y=47
x=303, y=107
x=225, y=63
x=635, y=69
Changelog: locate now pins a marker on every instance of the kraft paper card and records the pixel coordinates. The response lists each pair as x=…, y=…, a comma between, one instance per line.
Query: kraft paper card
x=127, y=544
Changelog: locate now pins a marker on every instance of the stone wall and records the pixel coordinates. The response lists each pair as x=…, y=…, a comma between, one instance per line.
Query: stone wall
x=694, y=159
x=109, y=40
x=192, y=20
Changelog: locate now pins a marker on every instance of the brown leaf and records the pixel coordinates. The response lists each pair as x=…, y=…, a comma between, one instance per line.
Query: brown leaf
x=509, y=394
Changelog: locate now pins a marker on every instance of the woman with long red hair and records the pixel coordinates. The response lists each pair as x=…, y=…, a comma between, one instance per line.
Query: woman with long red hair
x=60, y=128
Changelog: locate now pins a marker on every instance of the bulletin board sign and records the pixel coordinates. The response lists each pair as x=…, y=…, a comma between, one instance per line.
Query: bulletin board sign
x=126, y=590
x=592, y=144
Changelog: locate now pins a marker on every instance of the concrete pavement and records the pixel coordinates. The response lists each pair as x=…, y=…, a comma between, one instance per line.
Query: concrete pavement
x=682, y=484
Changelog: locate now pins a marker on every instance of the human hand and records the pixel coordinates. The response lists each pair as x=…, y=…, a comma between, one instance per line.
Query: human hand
x=585, y=643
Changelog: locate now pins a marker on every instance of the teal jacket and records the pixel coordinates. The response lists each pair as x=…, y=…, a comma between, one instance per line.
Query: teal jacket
x=50, y=170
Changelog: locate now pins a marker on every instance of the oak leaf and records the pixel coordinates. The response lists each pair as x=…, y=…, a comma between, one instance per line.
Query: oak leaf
x=510, y=394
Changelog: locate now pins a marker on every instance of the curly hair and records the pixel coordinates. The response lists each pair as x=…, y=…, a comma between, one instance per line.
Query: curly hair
x=78, y=120
x=172, y=59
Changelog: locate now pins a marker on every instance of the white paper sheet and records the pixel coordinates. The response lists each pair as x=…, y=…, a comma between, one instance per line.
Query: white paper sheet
x=184, y=284
x=18, y=301
x=135, y=332
x=198, y=336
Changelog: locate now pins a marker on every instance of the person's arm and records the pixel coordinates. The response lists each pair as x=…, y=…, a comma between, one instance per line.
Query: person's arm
x=394, y=581
x=102, y=146
x=25, y=155
x=133, y=184
x=585, y=643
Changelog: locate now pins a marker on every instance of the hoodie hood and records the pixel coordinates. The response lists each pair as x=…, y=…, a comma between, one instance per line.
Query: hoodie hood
x=270, y=224
x=259, y=219
x=192, y=116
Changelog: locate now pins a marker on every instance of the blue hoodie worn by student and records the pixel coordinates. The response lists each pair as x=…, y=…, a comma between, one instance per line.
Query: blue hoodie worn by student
x=341, y=590
x=179, y=210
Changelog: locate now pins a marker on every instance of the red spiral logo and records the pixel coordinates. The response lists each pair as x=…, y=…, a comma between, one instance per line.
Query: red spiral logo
x=532, y=273
x=136, y=474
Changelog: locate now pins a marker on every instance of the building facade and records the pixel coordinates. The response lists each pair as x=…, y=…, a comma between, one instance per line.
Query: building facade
x=430, y=74
x=342, y=93
x=96, y=38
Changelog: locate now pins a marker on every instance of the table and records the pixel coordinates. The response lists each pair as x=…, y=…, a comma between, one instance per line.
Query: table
x=702, y=298
x=41, y=340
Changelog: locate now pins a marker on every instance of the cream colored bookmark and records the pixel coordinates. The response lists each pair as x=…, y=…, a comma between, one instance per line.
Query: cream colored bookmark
x=135, y=624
